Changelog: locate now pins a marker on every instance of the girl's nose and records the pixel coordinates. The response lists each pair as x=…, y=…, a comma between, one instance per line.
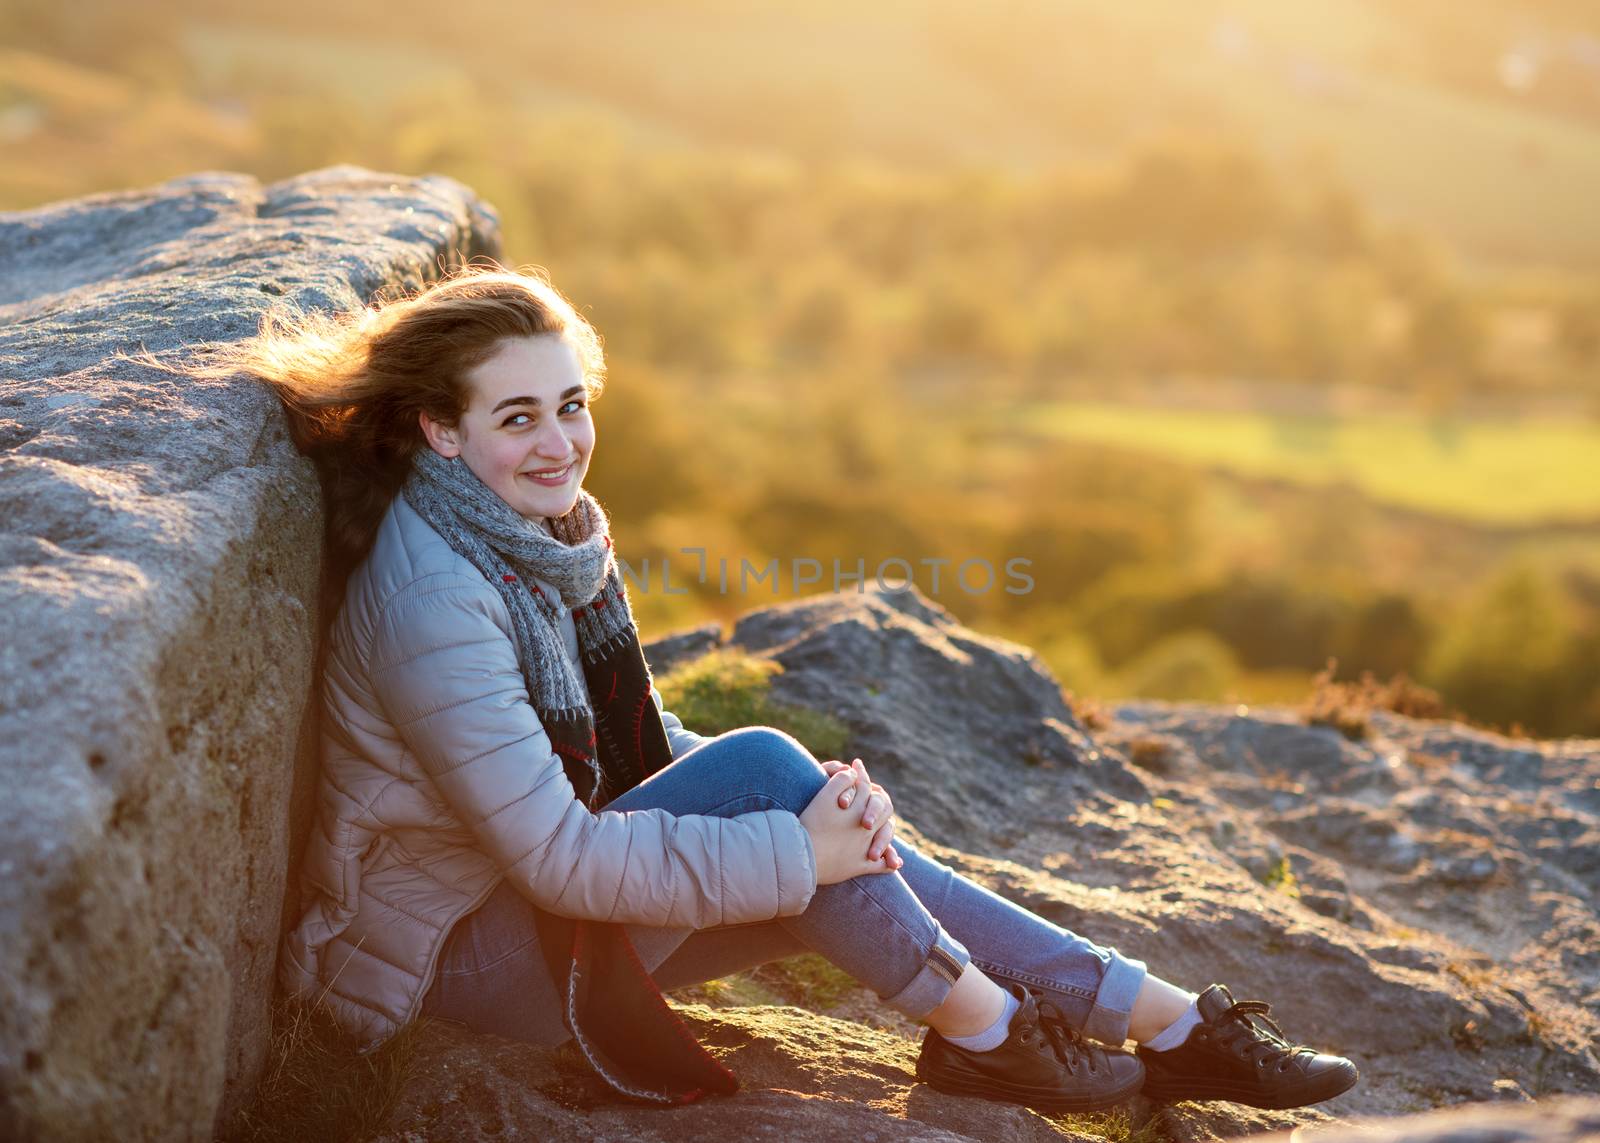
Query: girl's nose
x=553, y=443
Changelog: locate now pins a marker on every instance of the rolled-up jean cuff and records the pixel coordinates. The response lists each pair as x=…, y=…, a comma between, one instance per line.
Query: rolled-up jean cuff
x=1113, y=1003
x=944, y=964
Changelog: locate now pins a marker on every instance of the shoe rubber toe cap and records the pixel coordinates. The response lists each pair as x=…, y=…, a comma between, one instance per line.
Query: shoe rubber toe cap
x=1323, y=1063
x=1332, y=1074
x=1126, y=1069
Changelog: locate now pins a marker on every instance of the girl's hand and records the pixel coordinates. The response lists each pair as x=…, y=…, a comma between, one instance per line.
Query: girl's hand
x=877, y=811
x=836, y=834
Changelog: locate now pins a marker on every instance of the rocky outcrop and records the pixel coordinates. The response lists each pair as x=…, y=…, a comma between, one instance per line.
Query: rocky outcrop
x=1422, y=899
x=1459, y=956
x=1342, y=881
x=159, y=555
x=814, y=1078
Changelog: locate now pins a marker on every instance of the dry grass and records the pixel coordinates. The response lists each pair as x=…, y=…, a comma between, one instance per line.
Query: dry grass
x=1478, y=978
x=1118, y=1125
x=1468, y=1036
x=316, y=1086
x=1348, y=706
x=1087, y=711
x=807, y=981
x=1150, y=753
x=1428, y=763
x=1540, y=1028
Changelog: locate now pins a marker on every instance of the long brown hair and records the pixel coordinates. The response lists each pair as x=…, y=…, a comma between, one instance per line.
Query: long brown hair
x=354, y=382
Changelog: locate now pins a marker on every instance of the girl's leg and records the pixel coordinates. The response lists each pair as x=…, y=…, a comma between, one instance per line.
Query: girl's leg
x=492, y=976
x=1109, y=994
x=712, y=953
x=1098, y=988
x=873, y=927
x=491, y=973
x=970, y=1007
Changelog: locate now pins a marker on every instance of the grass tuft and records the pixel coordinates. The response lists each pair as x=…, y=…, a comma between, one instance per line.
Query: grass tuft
x=1088, y=711
x=1118, y=1125
x=1280, y=876
x=817, y=981
x=316, y=1086
x=806, y=979
x=1348, y=706
x=1149, y=752
x=726, y=689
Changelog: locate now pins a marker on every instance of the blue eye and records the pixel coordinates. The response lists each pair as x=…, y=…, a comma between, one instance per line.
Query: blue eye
x=575, y=405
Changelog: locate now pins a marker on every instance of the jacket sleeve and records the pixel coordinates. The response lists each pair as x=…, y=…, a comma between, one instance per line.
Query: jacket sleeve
x=679, y=737
x=445, y=670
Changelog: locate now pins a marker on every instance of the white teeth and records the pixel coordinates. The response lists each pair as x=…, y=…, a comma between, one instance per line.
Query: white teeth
x=550, y=475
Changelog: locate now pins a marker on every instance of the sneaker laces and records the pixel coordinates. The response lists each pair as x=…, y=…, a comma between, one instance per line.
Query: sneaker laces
x=1266, y=1044
x=1070, y=1046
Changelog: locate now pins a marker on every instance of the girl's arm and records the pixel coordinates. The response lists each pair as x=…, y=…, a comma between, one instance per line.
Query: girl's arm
x=445, y=670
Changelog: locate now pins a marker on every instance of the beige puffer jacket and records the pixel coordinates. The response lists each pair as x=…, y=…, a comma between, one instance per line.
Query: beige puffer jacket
x=438, y=779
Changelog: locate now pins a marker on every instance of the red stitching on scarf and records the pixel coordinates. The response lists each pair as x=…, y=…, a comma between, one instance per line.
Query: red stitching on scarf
x=576, y=753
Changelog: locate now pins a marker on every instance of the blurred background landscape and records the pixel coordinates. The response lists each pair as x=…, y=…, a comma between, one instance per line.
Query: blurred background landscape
x=1269, y=333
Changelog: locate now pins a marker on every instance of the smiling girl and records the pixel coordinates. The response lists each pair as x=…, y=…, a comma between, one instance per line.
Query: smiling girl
x=514, y=833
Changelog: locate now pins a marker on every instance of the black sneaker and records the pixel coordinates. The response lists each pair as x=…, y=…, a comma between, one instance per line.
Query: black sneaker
x=1239, y=1053
x=1044, y=1063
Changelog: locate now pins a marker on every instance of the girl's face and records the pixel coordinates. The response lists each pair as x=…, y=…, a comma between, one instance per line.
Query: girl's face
x=526, y=432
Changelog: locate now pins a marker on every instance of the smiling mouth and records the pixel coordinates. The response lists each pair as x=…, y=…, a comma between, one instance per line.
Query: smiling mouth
x=552, y=476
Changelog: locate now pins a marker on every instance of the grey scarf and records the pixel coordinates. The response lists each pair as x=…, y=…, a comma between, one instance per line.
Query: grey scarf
x=575, y=557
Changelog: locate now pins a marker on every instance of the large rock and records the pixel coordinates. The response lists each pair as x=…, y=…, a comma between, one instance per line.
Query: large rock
x=1216, y=844
x=1194, y=837
x=159, y=555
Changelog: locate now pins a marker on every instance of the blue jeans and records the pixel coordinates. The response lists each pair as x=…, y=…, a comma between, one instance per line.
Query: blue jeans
x=905, y=935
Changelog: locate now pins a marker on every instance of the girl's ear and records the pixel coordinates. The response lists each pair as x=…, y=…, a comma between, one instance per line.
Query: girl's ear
x=442, y=438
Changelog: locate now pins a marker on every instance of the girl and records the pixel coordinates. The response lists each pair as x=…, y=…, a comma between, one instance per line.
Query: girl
x=512, y=832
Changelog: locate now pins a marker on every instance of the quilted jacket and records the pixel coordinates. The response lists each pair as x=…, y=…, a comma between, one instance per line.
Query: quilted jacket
x=438, y=780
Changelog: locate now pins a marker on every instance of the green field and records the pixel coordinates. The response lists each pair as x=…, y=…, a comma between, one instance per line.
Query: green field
x=1488, y=472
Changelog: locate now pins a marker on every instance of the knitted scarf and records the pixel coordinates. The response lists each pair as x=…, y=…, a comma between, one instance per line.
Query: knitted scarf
x=607, y=746
x=574, y=557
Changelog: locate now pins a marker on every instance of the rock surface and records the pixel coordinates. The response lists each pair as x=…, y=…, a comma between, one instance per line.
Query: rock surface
x=1343, y=882
x=159, y=555
x=1559, y=1119
x=1178, y=833
x=813, y=1078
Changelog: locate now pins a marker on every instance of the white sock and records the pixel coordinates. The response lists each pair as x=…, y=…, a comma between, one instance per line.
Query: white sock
x=995, y=1034
x=1176, y=1032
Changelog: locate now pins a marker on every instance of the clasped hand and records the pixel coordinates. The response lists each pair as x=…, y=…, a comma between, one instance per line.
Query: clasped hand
x=851, y=823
